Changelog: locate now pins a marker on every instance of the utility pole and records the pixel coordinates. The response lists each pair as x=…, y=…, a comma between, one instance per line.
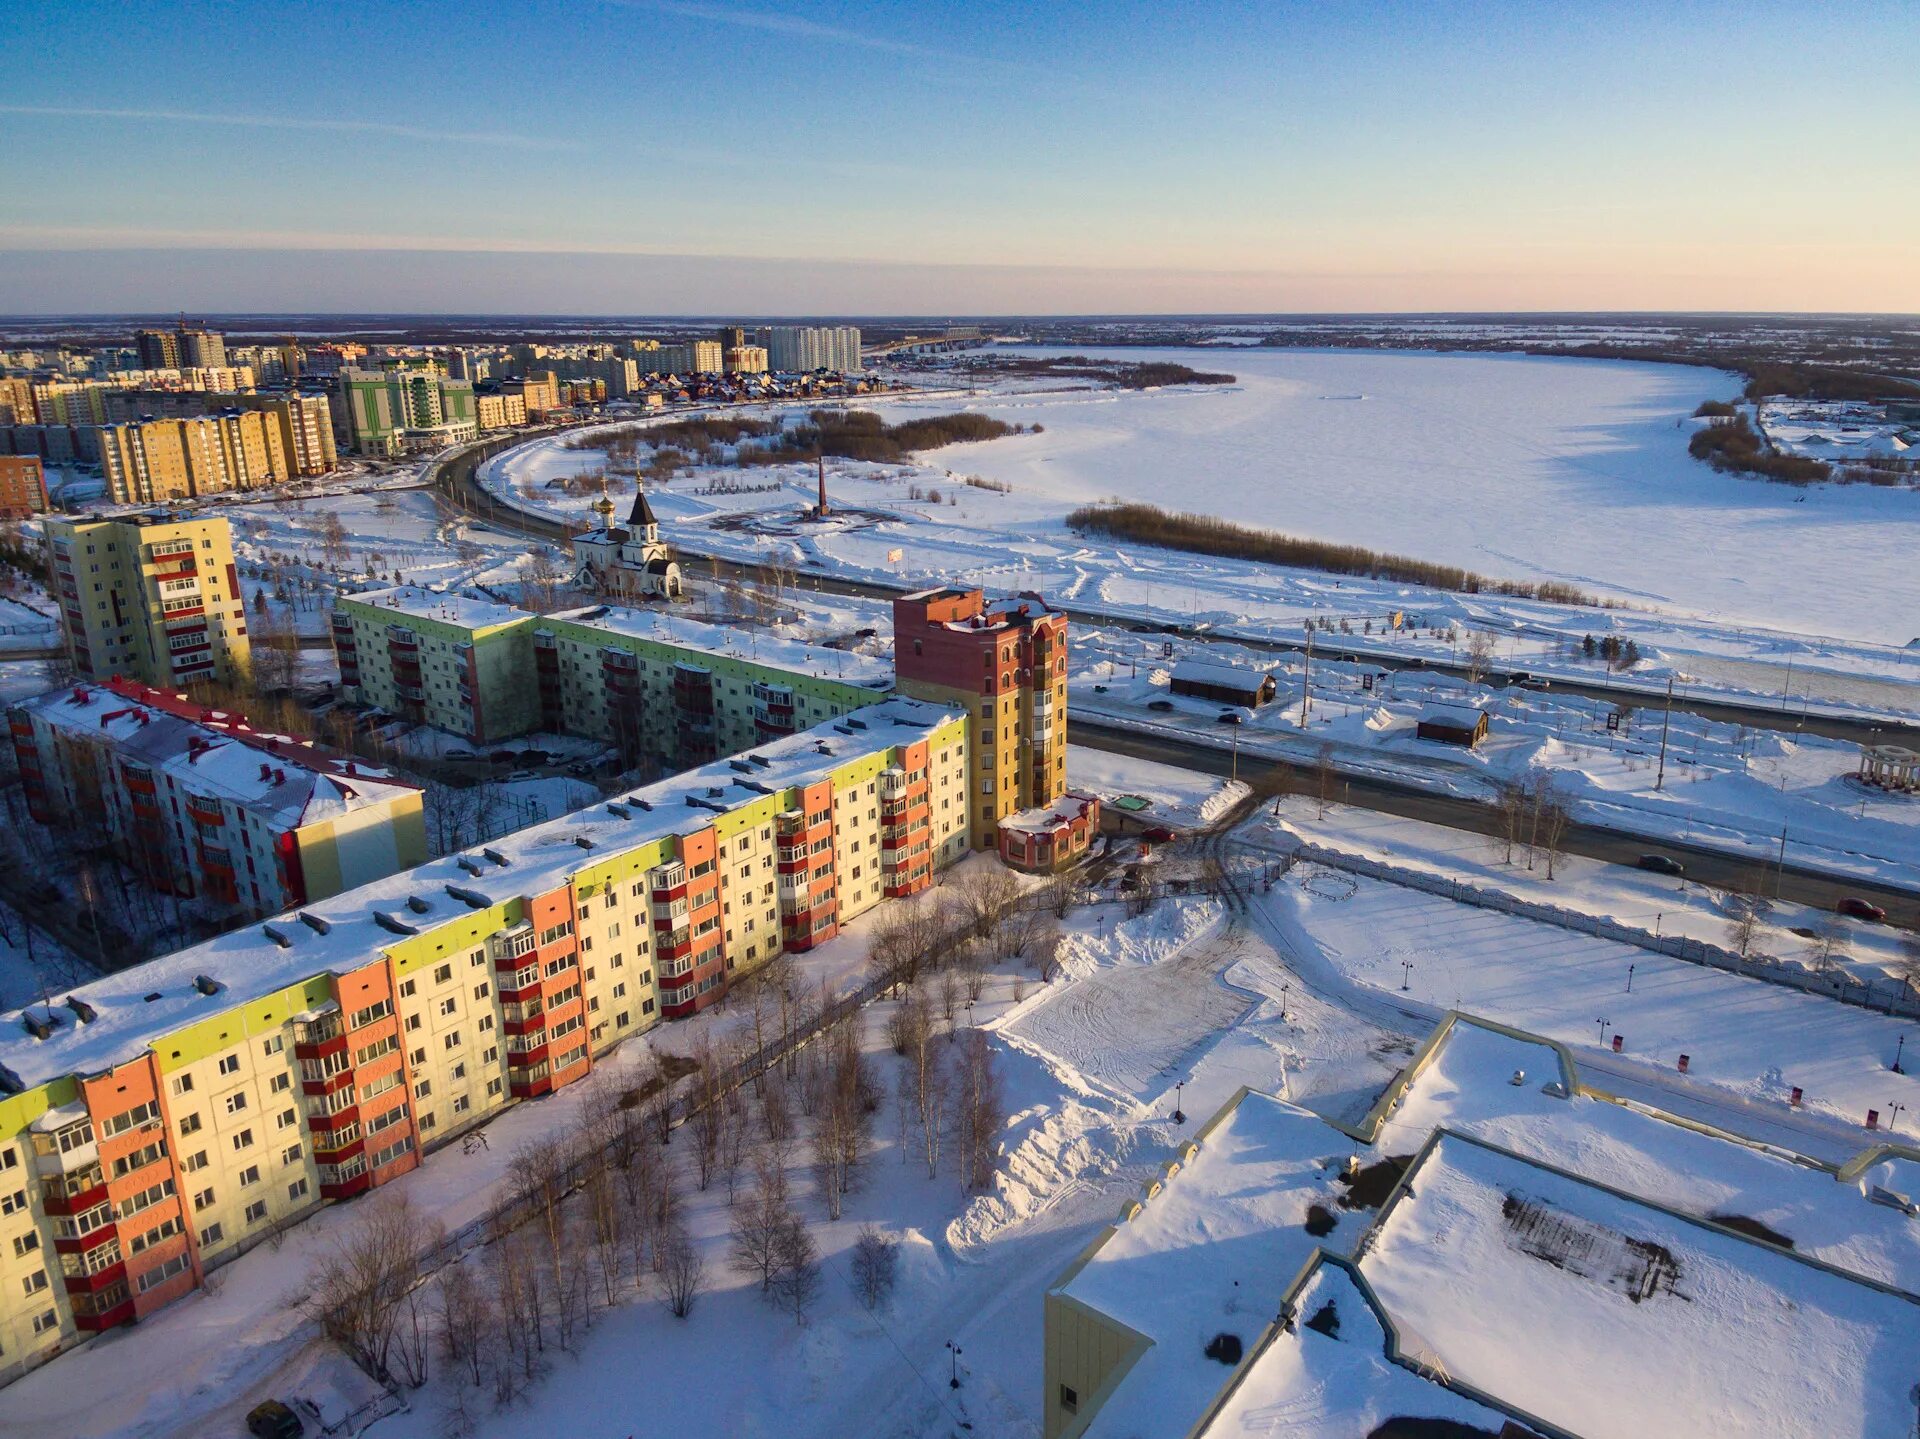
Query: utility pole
x=1780, y=866
x=1666, y=720
x=1306, y=680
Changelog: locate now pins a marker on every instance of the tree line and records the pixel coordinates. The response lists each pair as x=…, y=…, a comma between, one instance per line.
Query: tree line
x=1203, y=534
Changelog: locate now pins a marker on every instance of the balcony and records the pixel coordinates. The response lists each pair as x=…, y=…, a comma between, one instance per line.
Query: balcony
x=317, y=1028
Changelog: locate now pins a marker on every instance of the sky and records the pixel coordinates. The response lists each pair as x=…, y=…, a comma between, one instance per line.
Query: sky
x=695, y=156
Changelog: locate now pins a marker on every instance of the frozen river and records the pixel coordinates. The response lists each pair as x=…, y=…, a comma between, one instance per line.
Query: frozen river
x=1516, y=466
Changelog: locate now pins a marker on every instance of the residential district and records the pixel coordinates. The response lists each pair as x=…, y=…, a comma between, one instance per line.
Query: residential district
x=1484, y=1231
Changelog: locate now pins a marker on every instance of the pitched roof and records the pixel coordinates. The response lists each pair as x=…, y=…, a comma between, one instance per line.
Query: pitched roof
x=642, y=513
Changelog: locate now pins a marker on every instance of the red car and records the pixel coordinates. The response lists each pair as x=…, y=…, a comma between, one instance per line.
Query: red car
x=1857, y=908
x=1160, y=834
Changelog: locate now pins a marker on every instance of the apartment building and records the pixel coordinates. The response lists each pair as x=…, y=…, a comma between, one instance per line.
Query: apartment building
x=153, y=597
x=158, y=349
x=538, y=391
x=156, y=461
x=697, y=357
x=404, y=410
x=23, y=486
x=1004, y=662
x=745, y=360
x=458, y=664
x=203, y=805
x=16, y=401
x=656, y=685
x=305, y=426
x=160, y=1121
x=496, y=410
x=801, y=348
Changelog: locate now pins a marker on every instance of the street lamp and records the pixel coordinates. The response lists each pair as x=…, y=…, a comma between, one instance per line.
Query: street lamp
x=1897, y=1050
x=1179, y=1115
x=953, y=1351
x=1407, y=981
x=1894, y=1122
x=1283, y=1013
x=1629, y=979
x=1603, y=1023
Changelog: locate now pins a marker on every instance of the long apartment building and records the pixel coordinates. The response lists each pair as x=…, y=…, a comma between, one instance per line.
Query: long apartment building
x=404, y=410
x=203, y=805
x=1004, y=662
x=160, y=1121
x=154, y=597
x=655, y=684
x=159, y=461
x=814, y=347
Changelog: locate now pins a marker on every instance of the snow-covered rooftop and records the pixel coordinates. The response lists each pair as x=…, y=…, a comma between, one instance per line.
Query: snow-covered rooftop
x=249, y=963
x=756, y=646
x=1069, y=807
x=1211, y=672
x=1613, y=1319
x=286, y=782
x=454, y=609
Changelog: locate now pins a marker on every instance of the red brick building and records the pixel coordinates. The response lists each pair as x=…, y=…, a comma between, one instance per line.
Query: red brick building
x=23, y=486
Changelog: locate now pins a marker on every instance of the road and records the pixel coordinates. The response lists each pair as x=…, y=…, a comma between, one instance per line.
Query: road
x=1410, y=801
x=453, y=476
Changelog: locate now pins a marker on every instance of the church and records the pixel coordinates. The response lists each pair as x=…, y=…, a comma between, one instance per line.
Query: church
x=626, y=562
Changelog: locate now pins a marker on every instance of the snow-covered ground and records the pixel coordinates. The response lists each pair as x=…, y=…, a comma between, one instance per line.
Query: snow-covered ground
x=1516, y=467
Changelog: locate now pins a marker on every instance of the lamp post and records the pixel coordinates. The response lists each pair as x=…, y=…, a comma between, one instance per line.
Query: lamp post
x=1179, y=1114
x=1603, y=1022
x=1406, y=981
x=1629, y=979
x=1283, y=1014
x=953, y=1353
x=1898, y=1048
x=1894, y=1111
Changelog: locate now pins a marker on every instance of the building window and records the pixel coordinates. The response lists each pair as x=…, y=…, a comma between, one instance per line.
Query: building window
x=183, y=1084
x=235, y=1102
x=297, y=1190
x=229, y=1064
x=189, y=1123
x=211, y=1235
x=43, y=1322
x=256, y=1211
x=1069, y=1400
x=35, y=1281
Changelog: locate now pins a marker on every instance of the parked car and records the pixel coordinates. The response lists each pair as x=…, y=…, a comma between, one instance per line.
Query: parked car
x=1855, y=907
x=461, y=755
x=1241, y=716
x=1662, y=864
x=521, y=774
x=580, y=769
x=273, y=1420
x=1160, y=834
x=1159, y=704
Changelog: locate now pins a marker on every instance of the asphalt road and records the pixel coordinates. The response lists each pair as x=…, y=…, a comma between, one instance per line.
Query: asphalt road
x=1705, y=866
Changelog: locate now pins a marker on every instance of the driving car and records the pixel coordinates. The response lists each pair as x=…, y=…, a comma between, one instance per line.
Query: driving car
x=1662, y=864
x=1855, y=907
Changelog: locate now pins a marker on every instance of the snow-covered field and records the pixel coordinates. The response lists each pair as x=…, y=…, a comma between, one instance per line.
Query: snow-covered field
x=1524, y=468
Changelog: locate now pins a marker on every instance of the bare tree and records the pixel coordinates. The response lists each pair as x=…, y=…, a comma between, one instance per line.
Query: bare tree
x=1743, y=929
x=1909, y=961
x=466, y=1317
x=540, y=576
x=986, y=892
x=333, y=540
x=1829, y=943
x=359, y=1293
x=608, y=1217
x=683, y=1273
x=1480, y=651
x=276, y=653
x=796, y=1282
x=875, y=1266
x=1554, y=821
x=979, y=1110
x=757, y=1221
x=1512, y=803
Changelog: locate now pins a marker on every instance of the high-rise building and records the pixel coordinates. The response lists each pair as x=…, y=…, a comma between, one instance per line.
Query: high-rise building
x=23, y=486
x=153, y=597
x=202, y=348
x=305, y=422
x=732, y=337
x=800, y=348
x=405, y=409
x=158, y=349
x=746, y=360
x=1005, y=663
x=691, y=357
x=200, y=804
x=159, y=461
x=496, y=410
x=16, y=401
x=538, y=390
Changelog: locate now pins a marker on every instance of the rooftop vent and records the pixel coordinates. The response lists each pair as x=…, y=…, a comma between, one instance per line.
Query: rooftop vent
x=278, y=936
x=315, y=923
x=469, y=898
x=206, y=984
x=392, y=924
x=470, y=864
x=619, y=811
x=495, y=857
x=150, y=998
x=583, y=841
x=85, y=1011
x=418, y=905
x=39, y=1028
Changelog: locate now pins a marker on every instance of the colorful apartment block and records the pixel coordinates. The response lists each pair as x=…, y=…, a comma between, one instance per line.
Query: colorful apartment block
x=656, y=685
x=158, y=1122
x=23, y=486
x=458, y=664
x=154, y=597
x=1004, y=662
x=1052, y=837
x=203, y=805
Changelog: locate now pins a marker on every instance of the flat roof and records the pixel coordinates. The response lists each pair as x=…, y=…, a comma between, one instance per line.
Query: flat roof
x=455, y=609
x=1215, y=673
x=248, y=964
x=1070, y=806
x=736, y=642
x=1614, y=1319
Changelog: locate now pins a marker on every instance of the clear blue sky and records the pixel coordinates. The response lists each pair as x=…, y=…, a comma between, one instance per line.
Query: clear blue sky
x=682, y=155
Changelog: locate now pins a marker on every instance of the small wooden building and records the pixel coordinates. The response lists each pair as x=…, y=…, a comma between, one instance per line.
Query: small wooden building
x=1224, y=684
x=1453, y=724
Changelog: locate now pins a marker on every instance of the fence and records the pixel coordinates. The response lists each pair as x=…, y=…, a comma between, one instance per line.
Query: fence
x=1895, y=996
